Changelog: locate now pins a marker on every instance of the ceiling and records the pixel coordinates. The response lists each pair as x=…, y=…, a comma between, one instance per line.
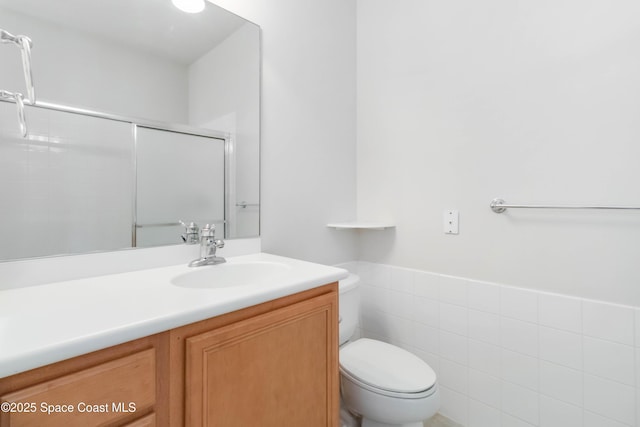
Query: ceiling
x=153, y=26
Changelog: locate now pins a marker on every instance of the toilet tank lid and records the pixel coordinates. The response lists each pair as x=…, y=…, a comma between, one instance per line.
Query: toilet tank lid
x=349, y=283
x=387, y=367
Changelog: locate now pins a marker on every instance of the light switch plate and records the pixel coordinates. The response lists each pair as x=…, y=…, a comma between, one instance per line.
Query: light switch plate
x=451, y=221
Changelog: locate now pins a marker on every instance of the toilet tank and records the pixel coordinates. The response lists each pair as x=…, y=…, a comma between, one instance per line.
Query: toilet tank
x=349, y=306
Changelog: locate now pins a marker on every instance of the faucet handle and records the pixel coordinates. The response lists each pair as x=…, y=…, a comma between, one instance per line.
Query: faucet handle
x=190, y=235
x=208, y=230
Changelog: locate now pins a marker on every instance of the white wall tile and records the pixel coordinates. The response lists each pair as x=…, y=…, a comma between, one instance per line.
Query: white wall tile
x=426, y=285
x=560, y=312
x=608, y=321
x=426, y=311
x=431, y=359
x=510, y=369
x=400, y=304
x=381, y=275
x=374, y=335
x=519, y=336
x=564, y=348
x=373, y=297
x=401, y=330
x=365, y=271
x=485, y=388
x=520, y=369
x=453, y=375
x=453, y=290
x=402, y=280
x=561, y=383
x=453, y=347
x=594, y=420
x=481, y=415
x=484, y=327
x=485, y=357
x=374, y=321
x=484, y=297
x=609, y=360
x=427, y=338
x=519, y=304
x=454, y=318
x=554, y=413
x=454, y=405
x=520, y=402
x=610, y=399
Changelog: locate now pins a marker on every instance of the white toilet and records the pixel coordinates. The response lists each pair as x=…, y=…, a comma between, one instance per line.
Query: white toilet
x=383, y=384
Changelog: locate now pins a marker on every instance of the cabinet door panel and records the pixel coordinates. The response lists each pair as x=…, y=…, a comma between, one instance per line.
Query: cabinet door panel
x=148, y=421
x=277, y=369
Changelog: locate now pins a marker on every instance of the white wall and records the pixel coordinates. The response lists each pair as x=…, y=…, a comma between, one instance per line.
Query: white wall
x=224, y=94
x=535, y=102
x=76, y=69
x=308, y=125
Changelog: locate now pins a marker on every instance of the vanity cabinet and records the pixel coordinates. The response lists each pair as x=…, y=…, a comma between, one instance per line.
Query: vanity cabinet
x=274, y=369
x=272, y=364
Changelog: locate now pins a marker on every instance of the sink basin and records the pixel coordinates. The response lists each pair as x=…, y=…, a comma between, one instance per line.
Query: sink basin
x=232, y=275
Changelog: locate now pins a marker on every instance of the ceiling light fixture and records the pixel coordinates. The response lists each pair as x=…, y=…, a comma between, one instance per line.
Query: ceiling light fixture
x=189, y=6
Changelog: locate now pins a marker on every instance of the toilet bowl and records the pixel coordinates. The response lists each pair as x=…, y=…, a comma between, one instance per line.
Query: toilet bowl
x=383, y=384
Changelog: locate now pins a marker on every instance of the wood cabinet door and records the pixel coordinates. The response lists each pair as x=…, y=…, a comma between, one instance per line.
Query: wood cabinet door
x=276, y=369
x=148, y=421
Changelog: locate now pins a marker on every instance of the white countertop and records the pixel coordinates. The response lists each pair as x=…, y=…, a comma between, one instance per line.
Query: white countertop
x=48, y=323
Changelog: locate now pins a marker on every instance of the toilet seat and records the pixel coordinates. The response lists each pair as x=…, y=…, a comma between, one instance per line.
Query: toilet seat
x=388, y=393
x=386, y=369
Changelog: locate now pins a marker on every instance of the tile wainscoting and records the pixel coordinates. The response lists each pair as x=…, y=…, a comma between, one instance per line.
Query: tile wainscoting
x=506, y=356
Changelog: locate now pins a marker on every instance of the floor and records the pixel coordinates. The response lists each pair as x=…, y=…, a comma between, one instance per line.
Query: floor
x=435, y=421
x=440, y=421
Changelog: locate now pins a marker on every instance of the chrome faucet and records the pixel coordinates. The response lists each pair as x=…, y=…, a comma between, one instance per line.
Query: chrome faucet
x=208, y=247
x=190, y=236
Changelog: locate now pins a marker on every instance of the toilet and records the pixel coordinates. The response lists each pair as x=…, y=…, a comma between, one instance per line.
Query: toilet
x=384, y=385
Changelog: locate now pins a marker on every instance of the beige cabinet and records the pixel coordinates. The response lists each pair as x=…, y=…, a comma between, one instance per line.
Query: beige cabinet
x=272, y=364
x=111, y=387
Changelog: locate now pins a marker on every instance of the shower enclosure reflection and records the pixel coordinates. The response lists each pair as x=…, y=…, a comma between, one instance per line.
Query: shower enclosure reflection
x=191, y=194
x=145, y=116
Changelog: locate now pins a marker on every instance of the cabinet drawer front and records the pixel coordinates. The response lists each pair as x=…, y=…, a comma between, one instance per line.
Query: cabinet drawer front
x=95, y=396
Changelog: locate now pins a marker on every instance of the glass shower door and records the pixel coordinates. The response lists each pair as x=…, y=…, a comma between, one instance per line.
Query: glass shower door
x=179, y=177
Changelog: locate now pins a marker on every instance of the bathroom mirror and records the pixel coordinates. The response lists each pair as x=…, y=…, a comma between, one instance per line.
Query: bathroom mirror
x=145, y=116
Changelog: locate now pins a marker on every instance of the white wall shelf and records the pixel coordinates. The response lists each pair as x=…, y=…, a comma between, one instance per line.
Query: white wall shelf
x=362, y=225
